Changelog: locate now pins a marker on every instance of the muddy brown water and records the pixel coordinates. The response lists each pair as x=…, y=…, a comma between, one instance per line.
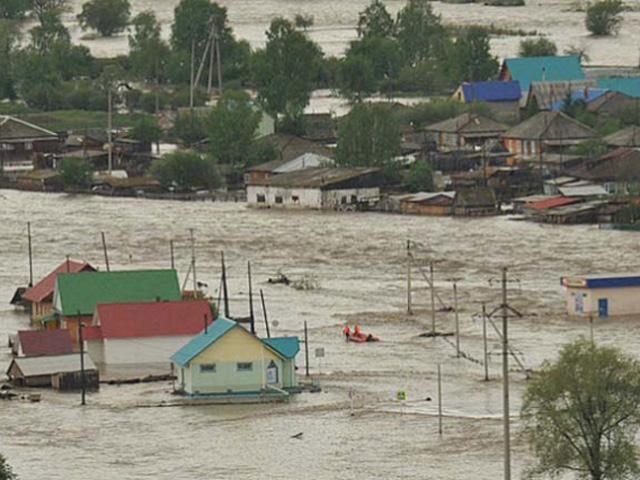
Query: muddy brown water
x=358, y=263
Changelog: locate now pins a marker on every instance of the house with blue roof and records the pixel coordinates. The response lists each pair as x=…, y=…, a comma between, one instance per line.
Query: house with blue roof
x=541, y=69
x=502, y=99
x=228, y=360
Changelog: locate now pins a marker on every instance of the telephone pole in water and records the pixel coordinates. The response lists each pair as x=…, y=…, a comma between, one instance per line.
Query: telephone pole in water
x=505, y=378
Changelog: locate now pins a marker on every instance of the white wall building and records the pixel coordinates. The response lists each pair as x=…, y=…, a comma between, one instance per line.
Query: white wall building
x=601, y=296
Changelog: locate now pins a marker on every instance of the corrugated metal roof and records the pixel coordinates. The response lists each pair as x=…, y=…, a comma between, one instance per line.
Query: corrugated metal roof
x=583, y=191
x=319, y=177
x=423, y=196
x=81, y=292
x=44, y=288
x=468, y=124
x=629, y=85
x=52, y=364
x=549, y=127
x=217, y=330
x=552, y=69
x=552, y=203
x=45, y=342
x=15, y=129
x=156, y=319
x=491, y=91
x=288, y=347
x=306, y=160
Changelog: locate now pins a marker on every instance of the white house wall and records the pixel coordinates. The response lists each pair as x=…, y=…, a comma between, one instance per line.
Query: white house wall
x=283, y=197
x=149, y=350
x=621, y=301
x=336, y=198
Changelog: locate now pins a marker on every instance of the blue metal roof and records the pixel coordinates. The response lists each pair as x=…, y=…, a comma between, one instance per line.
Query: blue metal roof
x=590, y=95
x=491, y=91
x=288, y=347
x=215, y=331
x=602, y=281
x=549, y=69
x=629, y=86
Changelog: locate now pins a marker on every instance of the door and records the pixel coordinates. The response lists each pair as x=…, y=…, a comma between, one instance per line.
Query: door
x=272, y=373
x=603, y=307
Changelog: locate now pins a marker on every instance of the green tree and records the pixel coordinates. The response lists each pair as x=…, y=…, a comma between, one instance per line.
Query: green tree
x=8, y=46
x=419, y=177
x=471, y=58
x=368, y=136
x=14, y=9
x=148, y=53
x=186, y=171
x=147, y=130
x=107, y=17
x=47, y=8
x=75, y=173
x=604, y=17
x=356, y=78
x=6, y=472
x=232, y=127
x=375, y=21
x=538, y=47
x=384, y=55
x=303, y=21
x=189, y=129
x=420, y=32
x=582, y=413
x=191, y=25
x=285, y=70
x=49, y=32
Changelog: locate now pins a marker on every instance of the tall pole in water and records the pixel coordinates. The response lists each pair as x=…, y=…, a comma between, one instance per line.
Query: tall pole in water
x=264, y=313
x=193, y=262
x=109, y=129
x=224, y=287
x=505, y=378
x=251, y=314
x=173, y=262
x=409, y=309
x=104, y=249
x=306, y=349
x=433, y=300
x=439, y=401
x=192, y=76
x=455, y=309
x=30, y=255
x=484, y=342
x=82, y=379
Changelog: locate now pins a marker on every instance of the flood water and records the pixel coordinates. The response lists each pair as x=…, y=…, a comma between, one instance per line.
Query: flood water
x=358, y=263
x=335, y=22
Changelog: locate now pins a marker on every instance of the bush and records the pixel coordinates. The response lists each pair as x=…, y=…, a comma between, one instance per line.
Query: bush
x=75, y=173
x=186, y=171
x=603, y=17
x=6, y=473
x=419, y=178
x=539, y=47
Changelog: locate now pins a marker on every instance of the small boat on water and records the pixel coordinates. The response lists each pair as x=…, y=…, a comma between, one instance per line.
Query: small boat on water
x=362, y=337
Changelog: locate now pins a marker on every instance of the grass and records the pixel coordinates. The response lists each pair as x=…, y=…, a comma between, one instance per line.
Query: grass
x=64, y=120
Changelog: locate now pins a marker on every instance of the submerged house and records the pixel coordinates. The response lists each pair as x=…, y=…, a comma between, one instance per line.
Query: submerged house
x=39, y=298
x=62, y=372
x=318, y=188
x=226, y=359
x=602, y=295
x=263, y=172
x=468, y=131
x=35, y=343
x=21, y=142
x=78, y=294
x=502, y=99
x=428, y=203
x=545, y=132
x=144, y=333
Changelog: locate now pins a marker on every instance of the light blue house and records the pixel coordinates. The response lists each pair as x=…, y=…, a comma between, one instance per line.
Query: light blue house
x=229, y=360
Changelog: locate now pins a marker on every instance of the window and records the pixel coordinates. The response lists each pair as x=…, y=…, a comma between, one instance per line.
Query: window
x=354, y=199
x=295, y=199
x=245, y=366
x=260, y=198
x=343, y=200
x=278, y=199
x=208, y=368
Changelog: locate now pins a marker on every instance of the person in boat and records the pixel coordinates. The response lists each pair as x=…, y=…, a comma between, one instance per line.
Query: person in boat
x=356, y=331
x=347, y=332
x=369, y=338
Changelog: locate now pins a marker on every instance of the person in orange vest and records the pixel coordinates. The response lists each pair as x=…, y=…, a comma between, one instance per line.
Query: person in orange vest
x=356, y=331
x=347, y=332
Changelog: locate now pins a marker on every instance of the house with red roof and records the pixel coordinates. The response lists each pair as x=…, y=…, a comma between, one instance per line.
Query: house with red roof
x=33, y=343
x=144, y=334
x=39, y=298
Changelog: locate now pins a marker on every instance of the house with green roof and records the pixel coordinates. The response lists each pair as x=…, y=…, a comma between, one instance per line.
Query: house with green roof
x=226, y=360
x=76, y=295
x=541, y=69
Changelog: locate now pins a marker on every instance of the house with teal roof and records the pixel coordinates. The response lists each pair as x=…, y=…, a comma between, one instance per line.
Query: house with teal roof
x=541, y=69
x=629, y=86
x=228, y=360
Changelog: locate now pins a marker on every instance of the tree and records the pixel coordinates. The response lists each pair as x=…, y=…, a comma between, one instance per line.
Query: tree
x=538, y=47
x=375, y=21
x=582, y=413
x=471, y=58
x=42, y=8
x=8, y=41
x=186, y=171
x=189, y=128
x=148, y=53
x=419, y=177
x=419, y=31
x=14, y=9
x=147, y=130
x=49, y=32
x=368, y=136
x=285, y=70
x=232, y=129
x=603, y=17
x=107, y=17
x=303, y=21
x=6, y=472
x=384, y=54
x=191, y=25
x=578, y=51
x=356, y=78
x=75, y=173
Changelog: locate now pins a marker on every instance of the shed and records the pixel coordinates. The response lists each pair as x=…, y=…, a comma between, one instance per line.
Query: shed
x=39, y=371
x=226, y=359
x=475, y=202
x=428, y=203
x=602, y=295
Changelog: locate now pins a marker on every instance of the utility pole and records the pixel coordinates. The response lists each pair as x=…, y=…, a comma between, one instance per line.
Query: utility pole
x=109, y=129
x=104, y=249
x=224, y=287
x=306, y=349
x=82, y=379
x=484, y=342
x=191, y=78
x=216, y=37
x=251, y=314
x=505, y=378
x=173, y=263
x=439, y=401
x=30, y=255
x=433, y=300
x=455, y=310
x=193, y=262
x=264, y=313
x=409, y=309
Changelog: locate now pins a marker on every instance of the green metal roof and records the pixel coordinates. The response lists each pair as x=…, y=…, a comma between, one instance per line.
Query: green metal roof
x=550, y=69
x=218, y=329
x=288, y=347
x=629, y=86
x=81, y=292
